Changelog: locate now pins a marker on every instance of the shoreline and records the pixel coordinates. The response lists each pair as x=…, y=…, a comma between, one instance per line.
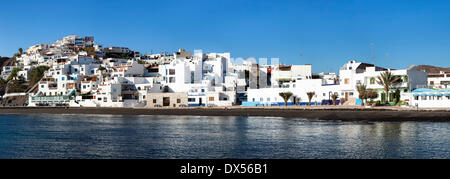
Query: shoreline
x=311, y=113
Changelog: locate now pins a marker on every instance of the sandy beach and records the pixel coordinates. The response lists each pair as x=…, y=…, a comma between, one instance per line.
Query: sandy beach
x=313, y=113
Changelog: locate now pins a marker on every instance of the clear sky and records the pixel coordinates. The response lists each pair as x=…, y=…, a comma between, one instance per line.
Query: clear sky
x=325, y=34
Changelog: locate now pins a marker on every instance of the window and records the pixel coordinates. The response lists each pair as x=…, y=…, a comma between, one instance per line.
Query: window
x=351, y=93
x=268, y=99
x=253, y=99
x=372, y=81
x=346, y=81
x=172, y=80
x=416, y=98
x=203, y=90
x=424, y=98
x=324, y=94
x=172, y=72
x=191, y=99
x=143, y=97
x=84, y=86
x=63, y=78
x=42, y=86
x=154, y=101
x=431, y=83
x=99, y=99
x=211, y=98
x=105, y=100
x=261, y=99
x=178, y=100
x=448, y=97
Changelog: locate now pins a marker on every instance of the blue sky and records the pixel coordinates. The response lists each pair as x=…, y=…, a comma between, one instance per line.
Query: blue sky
x=326, y=33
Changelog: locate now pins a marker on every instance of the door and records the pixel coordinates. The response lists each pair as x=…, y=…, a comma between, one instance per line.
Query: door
x=346, y=96
x=166, y=101
x=200, y=102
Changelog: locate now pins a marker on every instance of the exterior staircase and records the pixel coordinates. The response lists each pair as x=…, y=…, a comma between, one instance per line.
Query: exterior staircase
x=350, y=102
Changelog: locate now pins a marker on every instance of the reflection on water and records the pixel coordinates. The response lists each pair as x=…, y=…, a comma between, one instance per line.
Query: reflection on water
x=108, y=136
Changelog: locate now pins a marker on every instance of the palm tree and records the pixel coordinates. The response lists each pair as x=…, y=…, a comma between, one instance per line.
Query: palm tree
x=14, y=74
x=388, y=80
x=362, y=90
x=286, y=96
x=334, y=96
x=20, y=51
x=310, y=96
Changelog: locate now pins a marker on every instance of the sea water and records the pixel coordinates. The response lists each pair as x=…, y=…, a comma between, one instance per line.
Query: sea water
x=200, y=137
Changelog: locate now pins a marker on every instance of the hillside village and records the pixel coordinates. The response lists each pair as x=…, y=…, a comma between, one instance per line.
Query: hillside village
x=75, y=71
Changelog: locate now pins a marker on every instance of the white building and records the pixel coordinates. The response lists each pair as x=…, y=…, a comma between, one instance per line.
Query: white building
x=428, y=98
x=439, y=80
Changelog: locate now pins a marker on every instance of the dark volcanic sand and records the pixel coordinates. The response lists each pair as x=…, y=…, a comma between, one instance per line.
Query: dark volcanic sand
x=313, y=114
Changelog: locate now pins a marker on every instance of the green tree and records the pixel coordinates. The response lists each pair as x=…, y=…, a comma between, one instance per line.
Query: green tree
x=101, y=68
x=310, y=96
x=362, y=90
x=14, y=74
x=397, y=96
x=388, y=80
x=20, y=51
x=286, y=96
x=371, y=94
x=37, y=74
x=334, y=96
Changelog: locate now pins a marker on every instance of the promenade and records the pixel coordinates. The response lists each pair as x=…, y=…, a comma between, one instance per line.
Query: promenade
x=330, y=113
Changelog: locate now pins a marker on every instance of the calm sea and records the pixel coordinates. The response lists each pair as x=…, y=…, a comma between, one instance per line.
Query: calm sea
x=163, y=137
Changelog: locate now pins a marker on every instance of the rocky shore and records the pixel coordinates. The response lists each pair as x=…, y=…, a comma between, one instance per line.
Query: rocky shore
x=311, y=113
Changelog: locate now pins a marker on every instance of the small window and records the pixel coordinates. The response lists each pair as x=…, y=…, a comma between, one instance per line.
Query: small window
x=172, y=80
x=211, y=98
x=372, y=81
x=346, y=81
x=172, y=72
x=99, y=99
x=154, y=100
x=178, y=100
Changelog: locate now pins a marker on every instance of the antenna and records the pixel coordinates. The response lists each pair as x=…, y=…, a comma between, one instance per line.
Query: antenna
x=371, y=52
x=301, y=55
